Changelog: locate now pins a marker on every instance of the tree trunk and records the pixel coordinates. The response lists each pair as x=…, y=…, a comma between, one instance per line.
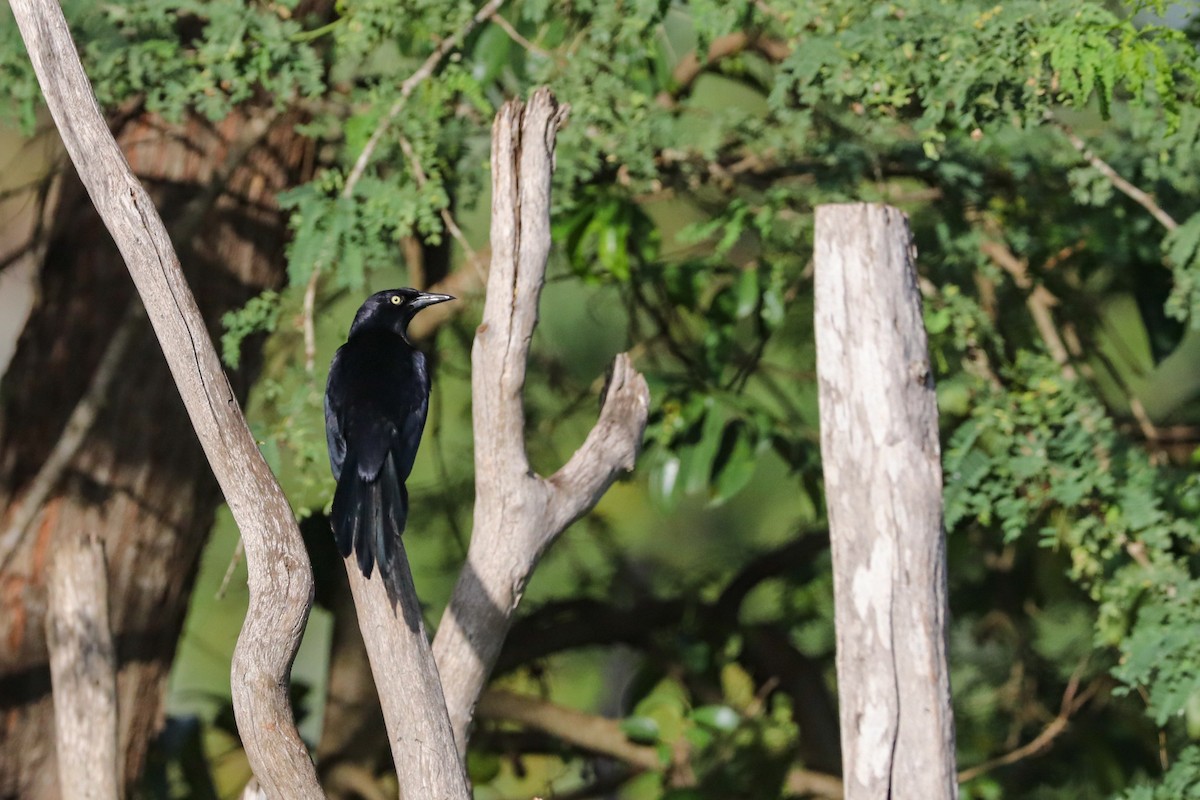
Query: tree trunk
x=883, y=488
x=139, y=480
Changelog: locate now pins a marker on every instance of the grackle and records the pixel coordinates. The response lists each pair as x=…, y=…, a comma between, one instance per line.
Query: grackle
x=376, y=399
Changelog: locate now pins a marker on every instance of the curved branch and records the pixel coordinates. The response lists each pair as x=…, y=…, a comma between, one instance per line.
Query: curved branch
x=280, y=576
x=1142, y=198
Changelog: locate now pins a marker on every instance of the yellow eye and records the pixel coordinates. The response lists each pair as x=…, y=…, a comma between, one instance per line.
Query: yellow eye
x=397, y=299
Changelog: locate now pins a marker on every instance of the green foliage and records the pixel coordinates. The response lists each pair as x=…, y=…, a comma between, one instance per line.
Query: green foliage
x=259, y=315
x=1182, y=252
x=1181, y=780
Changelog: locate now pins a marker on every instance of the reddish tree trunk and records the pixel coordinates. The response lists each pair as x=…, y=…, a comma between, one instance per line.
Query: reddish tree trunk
x=140, y=479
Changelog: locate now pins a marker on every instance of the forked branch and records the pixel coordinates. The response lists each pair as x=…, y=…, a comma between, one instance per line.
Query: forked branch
x=517, y=512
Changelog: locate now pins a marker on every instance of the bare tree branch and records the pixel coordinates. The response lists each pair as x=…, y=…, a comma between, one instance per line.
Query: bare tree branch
x=604, y=737
x=881, y=460
x=517, y=512
x=447, y=218
x=806, y=783
x=406, y=677
x=83, y=672
x=410, y=84
x=587, y=731
x=1038, y=300
x=516, y=36
x=1073, y=700
x=280, y=576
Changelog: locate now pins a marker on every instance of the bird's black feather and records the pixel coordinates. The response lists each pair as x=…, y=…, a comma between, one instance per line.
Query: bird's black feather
x=376, y=401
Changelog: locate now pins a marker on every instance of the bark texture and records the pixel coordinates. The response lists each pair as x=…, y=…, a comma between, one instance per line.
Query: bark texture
x=139, y=479
x=83, y=671
x=519, y=513
x=883, y=486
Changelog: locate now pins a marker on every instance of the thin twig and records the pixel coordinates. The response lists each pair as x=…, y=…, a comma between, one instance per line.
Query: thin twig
x=807, y=783
x=516, y=36
x=1142, y=198
x=447, y=218
x=603, y=736
x=360, y=164
x=1072, y=702
x=1039, y=301
x=595, y=734
x=409, y=86
x=234, y=560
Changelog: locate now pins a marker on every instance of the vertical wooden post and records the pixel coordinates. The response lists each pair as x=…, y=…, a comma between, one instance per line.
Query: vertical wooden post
x=883, y=488
x=83, y=671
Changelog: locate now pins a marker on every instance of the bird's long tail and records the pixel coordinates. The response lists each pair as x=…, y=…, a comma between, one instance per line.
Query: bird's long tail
x=369, y=515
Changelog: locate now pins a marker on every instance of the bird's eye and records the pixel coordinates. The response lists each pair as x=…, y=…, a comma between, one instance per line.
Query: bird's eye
x=397, y=299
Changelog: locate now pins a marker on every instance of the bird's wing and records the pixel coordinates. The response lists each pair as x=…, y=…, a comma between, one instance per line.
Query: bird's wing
x=408, y=437
x=411, y=422
x=334, y=437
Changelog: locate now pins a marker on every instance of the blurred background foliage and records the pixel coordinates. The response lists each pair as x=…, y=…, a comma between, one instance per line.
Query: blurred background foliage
x=1046, y=152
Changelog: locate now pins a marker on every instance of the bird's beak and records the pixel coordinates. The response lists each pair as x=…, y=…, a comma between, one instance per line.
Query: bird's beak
x=429, y=299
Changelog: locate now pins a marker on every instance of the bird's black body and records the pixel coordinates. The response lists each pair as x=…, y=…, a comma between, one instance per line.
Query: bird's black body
x=376, y=399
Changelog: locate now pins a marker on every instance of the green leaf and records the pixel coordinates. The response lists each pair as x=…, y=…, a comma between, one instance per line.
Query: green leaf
x=483, y=767
x=734, y=463
x=718, y=718
x=643, y=730
x=747, y=293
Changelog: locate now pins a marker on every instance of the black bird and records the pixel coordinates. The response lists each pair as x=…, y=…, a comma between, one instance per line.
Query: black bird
x=376, y=399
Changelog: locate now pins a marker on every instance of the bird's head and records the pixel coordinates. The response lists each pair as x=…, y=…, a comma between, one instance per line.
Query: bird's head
x=393, y=309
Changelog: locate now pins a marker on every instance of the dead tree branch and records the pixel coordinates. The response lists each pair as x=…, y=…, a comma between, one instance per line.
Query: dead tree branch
x=406, y=677
x=518, y=513
x=1073, y=701
x=1038, y=300
x=280, y=577
x=83, y=672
